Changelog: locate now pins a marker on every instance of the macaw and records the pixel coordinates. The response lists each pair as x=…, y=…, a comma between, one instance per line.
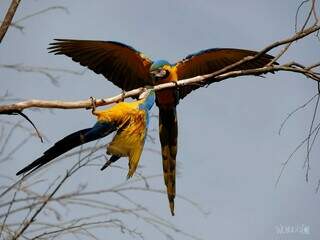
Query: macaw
x=128, y=69
x=129, y=119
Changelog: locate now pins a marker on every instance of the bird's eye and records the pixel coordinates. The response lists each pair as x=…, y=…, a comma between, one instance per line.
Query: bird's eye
x=163, y=72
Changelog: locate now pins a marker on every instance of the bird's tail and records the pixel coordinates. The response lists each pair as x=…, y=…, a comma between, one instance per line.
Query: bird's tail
x=168, y=130
x=69, y=142
x=113, y=159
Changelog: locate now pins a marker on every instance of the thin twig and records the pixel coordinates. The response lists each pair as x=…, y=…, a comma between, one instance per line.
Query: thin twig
x=41, y=12
x=294, y=111
x=46, y=71
x=309, y=147
x=9, y=209
x=17, y=235
x=284, y=164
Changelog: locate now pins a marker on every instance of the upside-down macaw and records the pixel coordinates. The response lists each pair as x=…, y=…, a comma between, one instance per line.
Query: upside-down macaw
x=129, y=119
x=129, y=69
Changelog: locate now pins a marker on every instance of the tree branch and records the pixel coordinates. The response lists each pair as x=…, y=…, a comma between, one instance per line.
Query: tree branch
x=46, y=71
x=199, y=80
x=8, y=18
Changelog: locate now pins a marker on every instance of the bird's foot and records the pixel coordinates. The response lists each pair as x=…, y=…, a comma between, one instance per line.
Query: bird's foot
x=93, y=105
x=123, y=96
x=176, y=84
x=177, y=92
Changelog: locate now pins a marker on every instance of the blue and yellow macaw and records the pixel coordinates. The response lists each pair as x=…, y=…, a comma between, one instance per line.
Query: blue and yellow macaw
x=129, y=119
x=129, y=69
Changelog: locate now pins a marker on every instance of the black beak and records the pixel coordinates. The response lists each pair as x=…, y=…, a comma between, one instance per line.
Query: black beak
x=158, y=74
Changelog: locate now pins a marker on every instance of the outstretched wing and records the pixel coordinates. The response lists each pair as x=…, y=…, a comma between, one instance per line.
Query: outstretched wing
x=214, y=59
x=119, y=63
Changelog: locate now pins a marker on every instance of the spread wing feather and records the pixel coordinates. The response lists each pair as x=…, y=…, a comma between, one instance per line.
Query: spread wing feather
x=214, y=59
x=119, y=63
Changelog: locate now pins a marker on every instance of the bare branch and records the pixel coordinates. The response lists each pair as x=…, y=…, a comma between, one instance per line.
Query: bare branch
x=46, y=71
x=41, y=207
x=16, y=24
x=309, y=145
x=284, y=164
x=295, y=111
x=191, y=81
x=42, y=11
x=8, y=18
x=9, y=210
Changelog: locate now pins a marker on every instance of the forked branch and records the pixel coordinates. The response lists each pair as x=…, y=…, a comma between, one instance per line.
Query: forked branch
x=199, y=80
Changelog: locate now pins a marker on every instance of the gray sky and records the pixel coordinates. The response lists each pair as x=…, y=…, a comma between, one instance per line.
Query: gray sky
x=230, y=153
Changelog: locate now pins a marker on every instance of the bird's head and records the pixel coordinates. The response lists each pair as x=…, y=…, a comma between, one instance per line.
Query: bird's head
x=160, y=70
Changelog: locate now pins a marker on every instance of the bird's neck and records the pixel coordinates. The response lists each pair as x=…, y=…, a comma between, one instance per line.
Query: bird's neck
x=168, y=97
x=147, y=103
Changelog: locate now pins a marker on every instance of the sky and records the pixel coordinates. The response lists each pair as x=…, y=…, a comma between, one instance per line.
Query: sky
x=229, y=150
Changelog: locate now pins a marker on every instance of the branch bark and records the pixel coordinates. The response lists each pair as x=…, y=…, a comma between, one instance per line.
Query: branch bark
x=8, y=18
x=199, y=80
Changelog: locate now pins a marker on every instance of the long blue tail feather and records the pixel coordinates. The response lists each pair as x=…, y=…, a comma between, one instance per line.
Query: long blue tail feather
x=99, y=130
